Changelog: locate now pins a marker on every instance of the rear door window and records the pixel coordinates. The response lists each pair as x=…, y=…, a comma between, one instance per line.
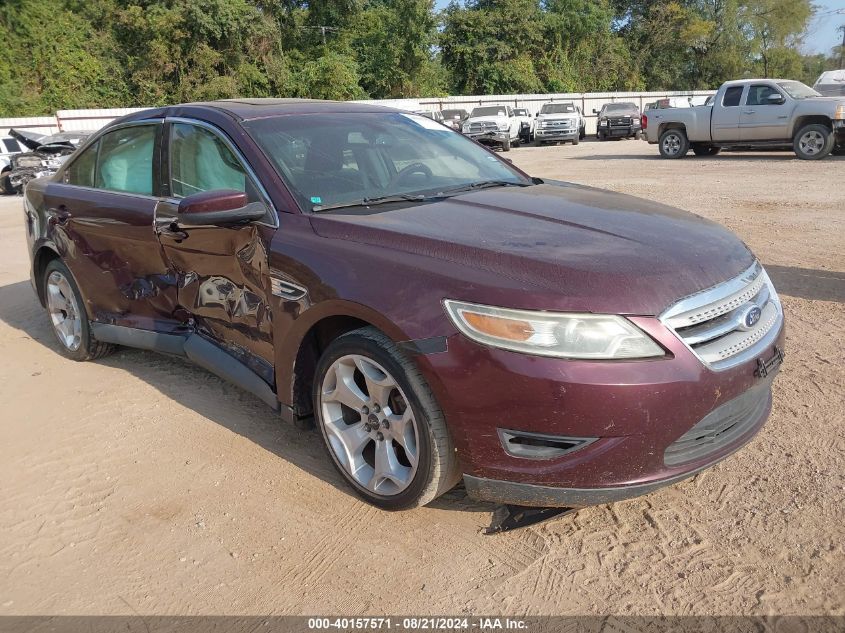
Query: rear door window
x=732, y=96
x=81, y=171
x=125, y=161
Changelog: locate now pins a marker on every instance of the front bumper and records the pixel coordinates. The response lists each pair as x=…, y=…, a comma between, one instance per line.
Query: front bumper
x=738, y=435
x=489, y=138
x=556, y=135
x=635, y=409
x=628, y=130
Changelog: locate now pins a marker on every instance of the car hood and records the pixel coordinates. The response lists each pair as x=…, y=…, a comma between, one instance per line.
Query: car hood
x=481, y=119
x=583, y=249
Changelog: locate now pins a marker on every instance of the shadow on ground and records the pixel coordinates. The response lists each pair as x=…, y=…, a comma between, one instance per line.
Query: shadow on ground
x=209, y=396
x=805, y=283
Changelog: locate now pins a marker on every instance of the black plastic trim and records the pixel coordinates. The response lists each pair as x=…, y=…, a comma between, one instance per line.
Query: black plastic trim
x=141, y=339
x=425, y=346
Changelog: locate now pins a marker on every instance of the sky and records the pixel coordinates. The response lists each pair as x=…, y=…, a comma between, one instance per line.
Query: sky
x=822, y=36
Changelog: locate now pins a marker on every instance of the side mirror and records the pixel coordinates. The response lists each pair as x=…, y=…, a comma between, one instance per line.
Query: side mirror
x=536, y=114
x=595, y=111
x=775, y=99
x=218, y=207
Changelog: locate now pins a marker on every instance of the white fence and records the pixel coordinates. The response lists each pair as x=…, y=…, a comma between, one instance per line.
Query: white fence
x=90, y=120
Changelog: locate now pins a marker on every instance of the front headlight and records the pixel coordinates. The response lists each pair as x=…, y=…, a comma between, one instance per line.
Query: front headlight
x=557, y=334
x=465, y=128
x=636, y=121
x=503, y=127
x=603, y=122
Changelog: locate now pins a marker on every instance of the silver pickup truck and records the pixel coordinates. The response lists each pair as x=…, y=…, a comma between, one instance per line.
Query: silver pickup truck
x=752, y=114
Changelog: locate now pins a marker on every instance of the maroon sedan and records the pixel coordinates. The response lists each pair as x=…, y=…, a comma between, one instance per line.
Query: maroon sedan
x=438, y=313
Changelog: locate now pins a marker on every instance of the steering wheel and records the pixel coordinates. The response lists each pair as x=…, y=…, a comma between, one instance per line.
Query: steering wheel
x=413, y=168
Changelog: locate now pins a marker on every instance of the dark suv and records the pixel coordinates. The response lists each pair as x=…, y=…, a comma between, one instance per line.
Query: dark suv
x=438, y=313
x=618, y=120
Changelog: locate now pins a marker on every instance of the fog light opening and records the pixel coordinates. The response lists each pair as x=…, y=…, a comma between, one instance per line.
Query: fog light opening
x=540, y=446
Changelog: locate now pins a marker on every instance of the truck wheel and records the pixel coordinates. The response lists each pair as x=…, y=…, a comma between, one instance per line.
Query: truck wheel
x=813, y=142
x=601, y=136
x=705, y=150
x=537, y=142
x=674, y=143
x=506, y=145
x=380, y=423
x=575, y=141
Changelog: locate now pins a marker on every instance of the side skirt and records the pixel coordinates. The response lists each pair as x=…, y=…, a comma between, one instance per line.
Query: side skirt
x=197, y=349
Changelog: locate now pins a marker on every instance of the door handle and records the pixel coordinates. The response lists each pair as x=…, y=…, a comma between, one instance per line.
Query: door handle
x=748, y=111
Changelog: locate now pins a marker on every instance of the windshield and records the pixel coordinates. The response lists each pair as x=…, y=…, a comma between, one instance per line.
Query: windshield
x=520, y=112
x=454, y=114
x=557, y=108
x=336, y=159
x=489, y=111
x=620, y=107
x=797, y=90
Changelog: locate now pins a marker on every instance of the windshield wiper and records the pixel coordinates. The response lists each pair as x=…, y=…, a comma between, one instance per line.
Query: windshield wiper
x=484, y=184
x=418, y=197
x=368, y=202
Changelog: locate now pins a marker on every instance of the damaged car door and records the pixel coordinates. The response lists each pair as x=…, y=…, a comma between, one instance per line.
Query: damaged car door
x=222, y=268
x=101, y=214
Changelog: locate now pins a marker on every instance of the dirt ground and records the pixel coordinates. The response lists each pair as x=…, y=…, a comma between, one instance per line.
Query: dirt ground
x=140, y=484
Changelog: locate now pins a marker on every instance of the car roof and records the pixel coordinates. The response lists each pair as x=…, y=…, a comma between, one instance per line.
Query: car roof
x=742, y=82
x=246, y=109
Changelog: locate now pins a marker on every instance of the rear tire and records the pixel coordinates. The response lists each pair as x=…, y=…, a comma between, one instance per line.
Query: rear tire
x=66, y=310
x=362, y=381
x=673, y=143
x=813, y=142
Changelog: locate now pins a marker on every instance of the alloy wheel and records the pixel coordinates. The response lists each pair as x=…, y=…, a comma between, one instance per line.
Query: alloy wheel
x=811, y=143
x=64, y=311
x=672, y=144
x=369, y=425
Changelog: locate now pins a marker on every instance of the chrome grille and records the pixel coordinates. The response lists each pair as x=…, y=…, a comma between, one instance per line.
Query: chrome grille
x=621, y=121
x=712, y=323
x=482, y=126
x=562, y=124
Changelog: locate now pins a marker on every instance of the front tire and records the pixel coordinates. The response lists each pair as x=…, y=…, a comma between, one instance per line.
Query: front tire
x=575, y=141
x=813, y=142
x=506, y=145
x=68, y=318
x=673, y=143
x=380, y=423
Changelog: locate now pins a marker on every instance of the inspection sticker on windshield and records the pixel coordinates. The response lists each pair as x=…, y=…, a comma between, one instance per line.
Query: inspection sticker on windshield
x=316, y=200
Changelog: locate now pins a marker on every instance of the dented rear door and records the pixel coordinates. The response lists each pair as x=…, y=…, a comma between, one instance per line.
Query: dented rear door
x=101, y=220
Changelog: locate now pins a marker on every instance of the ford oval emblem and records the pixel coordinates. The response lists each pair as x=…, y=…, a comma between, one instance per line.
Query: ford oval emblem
x=752, y=316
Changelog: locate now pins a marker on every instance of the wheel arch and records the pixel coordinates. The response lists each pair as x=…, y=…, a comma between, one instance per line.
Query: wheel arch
x=43, y=256
x=313, y=330
x=670, y=125
x=818, y=119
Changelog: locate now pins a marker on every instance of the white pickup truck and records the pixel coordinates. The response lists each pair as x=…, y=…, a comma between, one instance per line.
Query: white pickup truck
x=493, y=125
x=752, y=114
